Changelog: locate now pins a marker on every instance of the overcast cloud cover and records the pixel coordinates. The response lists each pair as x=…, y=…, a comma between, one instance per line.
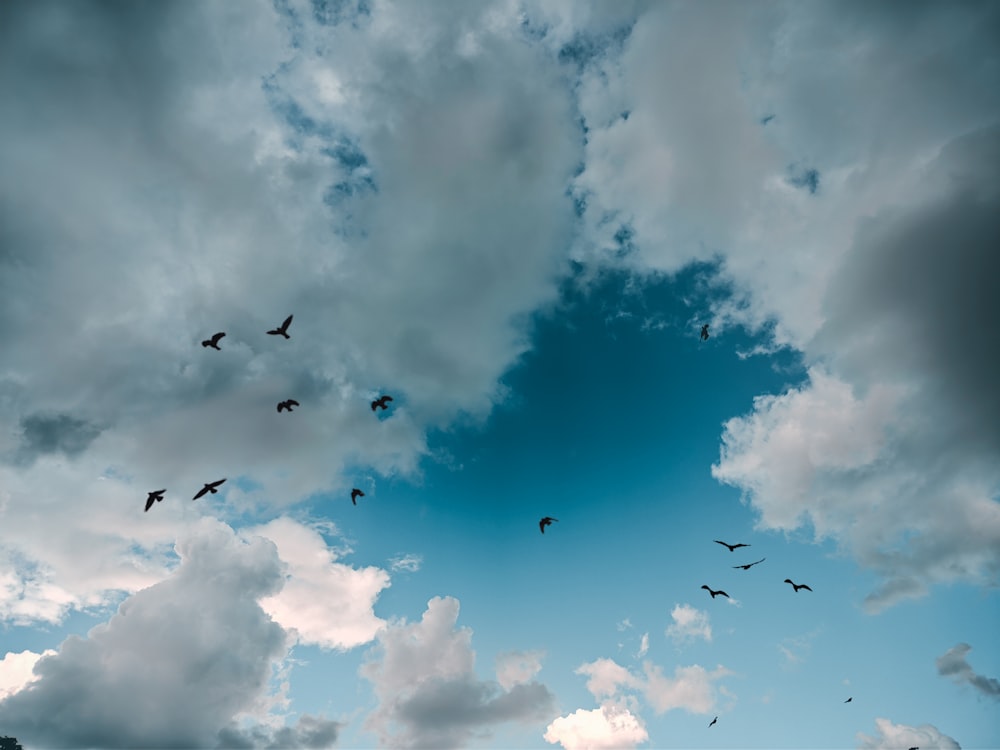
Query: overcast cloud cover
x=419, y=183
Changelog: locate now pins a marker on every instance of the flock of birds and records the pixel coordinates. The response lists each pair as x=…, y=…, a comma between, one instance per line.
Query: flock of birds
x=382, y=402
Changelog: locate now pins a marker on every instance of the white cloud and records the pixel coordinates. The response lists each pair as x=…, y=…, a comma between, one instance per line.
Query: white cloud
x=643, y=646
x=17, y=670
x=322, y=601
x=409, y=563
x=609, y=727
x=429, y=695
x=516, y=667
x=891, y=736
x=689, y=624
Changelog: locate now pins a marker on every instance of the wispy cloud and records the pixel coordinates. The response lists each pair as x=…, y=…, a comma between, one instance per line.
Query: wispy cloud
x=409, y=563
x=688, y=624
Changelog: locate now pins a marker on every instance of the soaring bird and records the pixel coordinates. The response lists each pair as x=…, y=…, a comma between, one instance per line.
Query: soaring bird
x=797, y=586
x=154, y=497
x=209, y=487
x=716, y=593
x=287, y=405
x=714, y=720
x=214, y=341
x=704, y=332
x=382, y=401
x=749, y=565
x=355, y=494
x=731, y=546
x=282, y=330
x=852, y=697
x=547, y=521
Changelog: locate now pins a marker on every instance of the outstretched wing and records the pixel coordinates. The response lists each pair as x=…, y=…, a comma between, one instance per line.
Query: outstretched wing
x=216, y=484
x=218, y=337
x=729, y=547
x=201, y=492
x=803, y=586
x=723, y=593
x=292, y=402
x=150, y=500
x=288, y=320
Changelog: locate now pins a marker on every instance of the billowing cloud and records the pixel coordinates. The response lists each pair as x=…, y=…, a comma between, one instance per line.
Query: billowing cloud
x=691, y=688
x=17, y=670
x=689, y=623
x=609, y=727
x=952, y=663
x=891, y=736
x=196, y=645
x=429, y=695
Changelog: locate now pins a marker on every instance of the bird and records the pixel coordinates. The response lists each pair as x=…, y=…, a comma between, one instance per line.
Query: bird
x=750, y=565
x=355, y=494
x=382, y=401
x=714, y=720
x=547, y=521
x=287, y=405
x=704, y=332
x=282, y=330
x=214, y=341
x=852, y=697
x=209, y=487
x=731, y=546
x=154, y=497
x=716, y=593
x=797, y=586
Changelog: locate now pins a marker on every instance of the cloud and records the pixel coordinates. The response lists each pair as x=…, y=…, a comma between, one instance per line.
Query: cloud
x=322, y=601
x=689, y=624
x=308, y=732
x=891, y=736
x=429, y=695
x=643, y=646
x=196, y=645
x=691, y=688
x=17, y=670
x=606, y=728
x=516, y=667
x=952, y=663
x=409, y=563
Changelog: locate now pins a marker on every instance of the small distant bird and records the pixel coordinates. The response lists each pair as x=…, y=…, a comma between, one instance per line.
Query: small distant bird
x=355, y=494
x=282, y=330
x=214, y=341
x=852, y=697
x=798, y=586
x=716, y=593
x=704, y=332
x=287, y=405
x=382, y=401
x=914, y=748
x=547, y=521
x=750, y=565
x=731, y=546
x=154, y=497
x=714, y=720
x=209, y=487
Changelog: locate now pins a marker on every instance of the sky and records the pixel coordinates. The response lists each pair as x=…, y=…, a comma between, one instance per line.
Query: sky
x=514, y=217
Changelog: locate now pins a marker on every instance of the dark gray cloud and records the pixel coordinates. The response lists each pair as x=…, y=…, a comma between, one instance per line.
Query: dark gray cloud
x=197, y=646
x=57, y=433
x=308, y=732
x=952, y=663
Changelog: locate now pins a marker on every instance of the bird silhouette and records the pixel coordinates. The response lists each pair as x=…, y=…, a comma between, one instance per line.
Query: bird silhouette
x=282, y=330
x=154, y=497
x=716, y=593
x=214, y=341
x=209, y=487
x=382, y=401
x=750, y=565
x=714, y=720
x=731, y=546
x=547, y=521
x=852, y=697
x=704, y=332
x=797, y=586
x=914, y=748
x=287, y=405
x=355, y=494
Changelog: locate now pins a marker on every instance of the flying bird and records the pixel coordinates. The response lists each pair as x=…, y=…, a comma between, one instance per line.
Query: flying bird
x=355, y=494
x=716, y=593
x=154, y=497
x=287, y=405
x=382, y=401
x=282, y=330
x=798, y=586
x=547, y=521
x=731, y=546
x=852, y=697
x=750, y=565
x=209, y=487
x=704, y=332
x=714, y=720
x=214, y=341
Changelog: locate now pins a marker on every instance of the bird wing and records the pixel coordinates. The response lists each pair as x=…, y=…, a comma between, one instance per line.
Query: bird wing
x=218, y=337
x=387, y=398
x=201, y=492
x=803, y=586
x=736, y=546
x=723, y=544
x=292, y=402
x=724, y=594
x=216, y=484
x=280, y=404
x=150, y=500
x=541, y=525
x=288, y=320
x=374, y=405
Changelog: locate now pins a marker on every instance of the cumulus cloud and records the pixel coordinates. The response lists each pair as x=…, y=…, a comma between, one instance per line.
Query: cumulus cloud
x=691, y=688
x=429, y=695
x=952, y=663
x=196, y=645
x=606, y=728
x=17, y=670
x=689, y=623
x=890, y=736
